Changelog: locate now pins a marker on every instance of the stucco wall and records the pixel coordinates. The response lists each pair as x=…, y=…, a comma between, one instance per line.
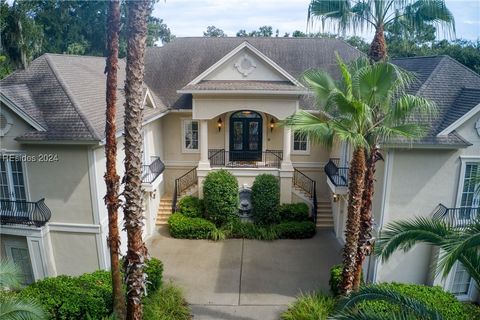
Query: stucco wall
x=18, y=128
x=74, y=253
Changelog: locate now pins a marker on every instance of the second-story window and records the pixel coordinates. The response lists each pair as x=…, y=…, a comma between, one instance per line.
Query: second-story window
x=300, y=143
x=12, y=181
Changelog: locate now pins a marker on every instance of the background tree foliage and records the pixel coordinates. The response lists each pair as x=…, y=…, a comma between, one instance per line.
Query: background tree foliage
x=31, y=28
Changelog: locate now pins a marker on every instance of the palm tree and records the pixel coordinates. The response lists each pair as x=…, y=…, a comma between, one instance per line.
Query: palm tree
x=368, y=106
x=457, y=244
x=111, y=177
x=12, y=307
x=135, y=70
x=410, y=308
x=377, y=15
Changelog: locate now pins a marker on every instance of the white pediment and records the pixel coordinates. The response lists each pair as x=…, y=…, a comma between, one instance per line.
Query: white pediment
x=247, y=63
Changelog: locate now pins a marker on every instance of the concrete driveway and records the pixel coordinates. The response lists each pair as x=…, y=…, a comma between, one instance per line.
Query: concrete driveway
x=245, y=279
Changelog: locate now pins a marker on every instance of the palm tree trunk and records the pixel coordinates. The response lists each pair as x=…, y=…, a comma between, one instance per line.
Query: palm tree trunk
x=355, y=193
x=378, y=47
x=136, y=253
x=366, y=220
x=111, y=177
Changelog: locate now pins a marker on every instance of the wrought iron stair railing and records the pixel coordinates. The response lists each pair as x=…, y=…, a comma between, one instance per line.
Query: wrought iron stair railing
x=151, y=171
x=457, y=217
x=337, y=175
x=182, y=184
x=309, y=187
x=245, y=159
x=24, y=212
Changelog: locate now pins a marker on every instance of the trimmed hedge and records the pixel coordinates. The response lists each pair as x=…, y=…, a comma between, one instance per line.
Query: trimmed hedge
x=190, y=228
x=434, y=297
x=295, y=230
x=265, y=199
x=294, y=212
x=220, y=196
x=66, y=297
x=191, y=206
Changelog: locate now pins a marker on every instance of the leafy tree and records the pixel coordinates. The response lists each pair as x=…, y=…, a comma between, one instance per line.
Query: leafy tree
x=378, y=15
x=457, y=244
x=213, y=31
x=368, y=105
x=13, y=307
x=135, y=70
x=264, y=31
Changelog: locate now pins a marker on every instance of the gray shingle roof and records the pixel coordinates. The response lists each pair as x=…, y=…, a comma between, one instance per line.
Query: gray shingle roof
x=243, y=85
x=174, y=65
x=440, y=79
x=467, y=99
x=20, y=95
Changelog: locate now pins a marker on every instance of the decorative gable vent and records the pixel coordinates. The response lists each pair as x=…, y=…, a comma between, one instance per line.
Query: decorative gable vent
x=5, y=124
x=245, y=65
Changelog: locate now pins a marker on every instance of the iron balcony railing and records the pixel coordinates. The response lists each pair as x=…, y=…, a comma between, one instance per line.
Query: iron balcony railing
x=309, y=187
x=151, y=171
x=24, y=212
x=457, y=217
x=183, y=183
x=245, y=159
x=337, y=175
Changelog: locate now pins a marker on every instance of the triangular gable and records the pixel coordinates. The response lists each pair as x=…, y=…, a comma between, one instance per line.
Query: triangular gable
x=245, y=62
x=20, y=112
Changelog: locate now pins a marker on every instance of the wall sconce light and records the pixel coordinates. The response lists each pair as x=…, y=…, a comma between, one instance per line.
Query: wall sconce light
x=272, y=124
x=219, y=124
x=335, y=197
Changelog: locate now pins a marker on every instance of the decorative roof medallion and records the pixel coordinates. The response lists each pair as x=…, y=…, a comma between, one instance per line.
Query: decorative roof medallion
x=5, y=124
x=245, y=65
x=477, y=126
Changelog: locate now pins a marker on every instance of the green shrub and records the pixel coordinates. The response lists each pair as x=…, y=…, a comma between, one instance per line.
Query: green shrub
x=189, y=228
x=167, y=303
x=294, y=212
x=335, y=279
x=191, y=206
x=434, y=297
x=220, y=195
x=265, y=199
x=316, y=306
x=295, y=230
x=472, y=310
x=154, y=270
x=66, y=297
x=235, y=228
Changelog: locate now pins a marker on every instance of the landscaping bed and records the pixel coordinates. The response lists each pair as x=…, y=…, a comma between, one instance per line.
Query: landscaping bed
x=215, y=218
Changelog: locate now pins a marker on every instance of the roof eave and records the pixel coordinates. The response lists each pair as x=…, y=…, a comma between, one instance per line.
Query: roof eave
x=259, y=92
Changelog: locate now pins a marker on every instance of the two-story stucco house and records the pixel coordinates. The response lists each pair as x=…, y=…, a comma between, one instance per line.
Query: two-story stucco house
x=215, y=103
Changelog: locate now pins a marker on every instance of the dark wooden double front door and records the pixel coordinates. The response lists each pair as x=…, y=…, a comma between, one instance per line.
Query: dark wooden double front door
x=245, y=136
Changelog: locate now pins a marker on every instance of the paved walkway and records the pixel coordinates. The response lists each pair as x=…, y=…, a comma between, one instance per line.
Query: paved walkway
x=245, y=279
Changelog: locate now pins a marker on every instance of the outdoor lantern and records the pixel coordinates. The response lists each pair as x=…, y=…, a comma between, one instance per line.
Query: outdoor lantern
x=335, y=197
x=219, y=124
x=272, y=124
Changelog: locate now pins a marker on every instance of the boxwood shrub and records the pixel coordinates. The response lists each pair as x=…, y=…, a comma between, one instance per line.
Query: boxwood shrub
x=295, y=230
x=294, y=212
x=434, y=297
x=191, y=206
x=66, y=297
x=154, y=270
x=265, y=199
x=220, y=195
x=190, y=228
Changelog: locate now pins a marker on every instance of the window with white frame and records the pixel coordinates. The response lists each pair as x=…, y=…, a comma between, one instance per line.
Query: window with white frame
x=12, y=180
x=300, y=143
x=461, y=281
x=17, y=252
x=190, y=136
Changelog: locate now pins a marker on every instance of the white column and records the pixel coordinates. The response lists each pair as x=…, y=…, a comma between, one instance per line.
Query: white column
x=204, y=144
x=287, y=147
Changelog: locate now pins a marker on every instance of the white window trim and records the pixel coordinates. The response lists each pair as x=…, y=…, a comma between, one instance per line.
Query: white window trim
x=11, y=244
x=469, y=296
x=185, y=150
x=300, y=152
x=19, y=153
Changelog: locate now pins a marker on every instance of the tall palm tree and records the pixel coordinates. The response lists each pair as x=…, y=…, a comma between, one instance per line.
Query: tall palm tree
x=12, y=307
x=136, y=253
x=376, y=15
x=457, y=244
x=111, y=177
x=367, y=106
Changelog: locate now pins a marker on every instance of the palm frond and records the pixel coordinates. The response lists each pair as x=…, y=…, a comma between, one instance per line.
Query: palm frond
x=14, y=308
x=407, y=105
x=336, y=12
x=408, y=305
x=9, y=275
x=404, y=234
x=314, y=127
x=471, y=261
x=321, y=83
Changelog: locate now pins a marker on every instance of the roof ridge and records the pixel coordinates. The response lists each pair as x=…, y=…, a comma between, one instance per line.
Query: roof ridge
x=429, y=79
x=420, y=57
x=461, y=64
x=71, y=55
x=70, y=97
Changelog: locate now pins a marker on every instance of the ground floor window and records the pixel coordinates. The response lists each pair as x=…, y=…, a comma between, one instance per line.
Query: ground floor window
x=190, y=135
x=18, y=253
x=300, y=143
x=461, y=281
